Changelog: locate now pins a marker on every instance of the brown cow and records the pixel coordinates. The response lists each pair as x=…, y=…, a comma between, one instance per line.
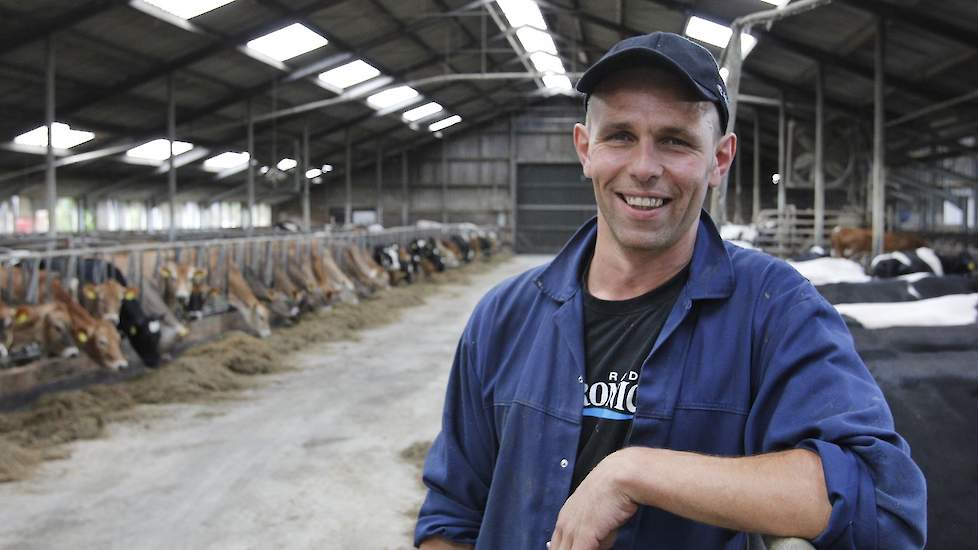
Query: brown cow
x=854, y=241
x=97, y=337
x=47, y=325
x=6, y=329
x=241, y=298
x=331, y=277
x=103, y=300
x=179, y=280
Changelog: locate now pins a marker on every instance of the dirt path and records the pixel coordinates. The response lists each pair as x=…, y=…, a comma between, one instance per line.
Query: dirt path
x=310, y=459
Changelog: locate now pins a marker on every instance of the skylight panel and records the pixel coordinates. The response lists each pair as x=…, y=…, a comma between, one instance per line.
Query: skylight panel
x=557, y=82
x=226, y=160
x=445, y=123
x=534, y=40
x=778, y=3
x=392, y=96
x=522, y=12
x=313, y=173
x=159, y=150
x=286, y=164
x=350, y=74
x=425, y=110
x=187, y=9
x=287, y=42
x=717, y=34
x=546, y=63
x=64, y=137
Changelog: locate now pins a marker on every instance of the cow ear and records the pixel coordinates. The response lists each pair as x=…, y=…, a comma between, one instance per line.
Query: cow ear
x=165, y=272
x=200, y=274
x=89, y=291
x=82, y=336
x=22, y=315
x=131, y=293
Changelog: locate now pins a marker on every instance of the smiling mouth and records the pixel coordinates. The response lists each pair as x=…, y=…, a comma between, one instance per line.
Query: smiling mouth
x=643, y=203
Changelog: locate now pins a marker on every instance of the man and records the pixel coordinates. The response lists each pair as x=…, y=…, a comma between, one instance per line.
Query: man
x=721, y=394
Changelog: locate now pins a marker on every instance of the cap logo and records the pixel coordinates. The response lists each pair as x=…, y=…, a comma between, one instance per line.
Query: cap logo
x=723, y=93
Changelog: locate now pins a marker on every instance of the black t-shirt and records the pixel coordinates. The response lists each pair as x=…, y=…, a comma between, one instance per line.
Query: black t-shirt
x=618, y=336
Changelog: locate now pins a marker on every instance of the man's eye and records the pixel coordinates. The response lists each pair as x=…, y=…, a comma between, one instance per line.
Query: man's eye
x=620, y=136
x=676, y=141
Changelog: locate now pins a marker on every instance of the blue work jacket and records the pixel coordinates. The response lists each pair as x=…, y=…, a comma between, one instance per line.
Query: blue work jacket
x=750, y=360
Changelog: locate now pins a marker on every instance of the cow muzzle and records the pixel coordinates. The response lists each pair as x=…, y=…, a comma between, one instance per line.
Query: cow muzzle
x=118, y=364
x=70, y=351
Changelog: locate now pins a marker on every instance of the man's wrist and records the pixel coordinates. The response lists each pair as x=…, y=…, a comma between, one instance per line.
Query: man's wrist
x=627, y=467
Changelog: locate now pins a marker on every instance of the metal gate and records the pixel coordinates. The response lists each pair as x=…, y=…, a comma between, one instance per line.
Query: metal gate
x=552, y=201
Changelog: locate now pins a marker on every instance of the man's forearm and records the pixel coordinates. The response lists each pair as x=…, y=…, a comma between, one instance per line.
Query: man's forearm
x=778, y=493
x=438, y=543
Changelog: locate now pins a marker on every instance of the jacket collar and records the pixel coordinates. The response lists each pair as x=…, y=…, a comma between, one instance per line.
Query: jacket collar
x=710, y=272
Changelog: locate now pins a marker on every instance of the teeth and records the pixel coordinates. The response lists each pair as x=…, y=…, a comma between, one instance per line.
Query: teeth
x=644, y=202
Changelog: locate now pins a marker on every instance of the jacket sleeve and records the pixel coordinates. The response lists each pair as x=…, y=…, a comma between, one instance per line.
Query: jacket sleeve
x=812, y=391
x=458, y=469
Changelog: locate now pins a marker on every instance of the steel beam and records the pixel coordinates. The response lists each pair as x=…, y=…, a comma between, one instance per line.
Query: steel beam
x=819, y=168
x=50, y=175
x=879, y=140
x=171, y=132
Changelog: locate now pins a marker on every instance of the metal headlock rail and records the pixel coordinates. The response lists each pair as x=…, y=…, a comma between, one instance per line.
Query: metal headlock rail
x=251, y=252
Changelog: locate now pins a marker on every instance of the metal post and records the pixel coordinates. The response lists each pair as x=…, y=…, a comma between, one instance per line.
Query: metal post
x=348, y=206
x=405, y=199
x=298, y=175
x=512, y=177
x=738, y=195
x=171, y=174
x=251, y=167
x=444, y=181
x=380, y=184
x=306, y=222
x=756, y=199
x=879, y=147
x=782, y=193
x=819, y=154
x=50, y=176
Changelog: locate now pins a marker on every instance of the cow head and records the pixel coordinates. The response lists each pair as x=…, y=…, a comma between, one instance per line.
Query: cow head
x=102, y=343
x=103, y=300
x=57, y=329
x=143, y=332
x=257, y=317
x=178, y=280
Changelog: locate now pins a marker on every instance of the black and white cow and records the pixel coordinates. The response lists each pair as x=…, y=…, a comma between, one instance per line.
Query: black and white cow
x=895, y=264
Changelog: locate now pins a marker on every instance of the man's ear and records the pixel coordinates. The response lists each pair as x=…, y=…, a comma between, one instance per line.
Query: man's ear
x=581, y=137
x=724, y=153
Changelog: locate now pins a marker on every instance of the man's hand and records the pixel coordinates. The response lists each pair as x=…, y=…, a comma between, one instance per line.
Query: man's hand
x=590, y=518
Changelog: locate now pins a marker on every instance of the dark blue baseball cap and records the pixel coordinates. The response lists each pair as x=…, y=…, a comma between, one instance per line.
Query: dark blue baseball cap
x=692, y=62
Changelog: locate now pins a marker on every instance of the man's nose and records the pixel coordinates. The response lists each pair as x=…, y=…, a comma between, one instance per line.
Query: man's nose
x=646, y=165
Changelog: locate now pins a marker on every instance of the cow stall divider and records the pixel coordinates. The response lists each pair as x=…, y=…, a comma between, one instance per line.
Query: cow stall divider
x=142, y=264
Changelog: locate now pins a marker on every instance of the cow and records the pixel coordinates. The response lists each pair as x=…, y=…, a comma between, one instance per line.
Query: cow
x=450, y=253
x=364, y=270
x=178, y=287
x=103, y=300
x=6, y=330
x=933, y=287
x=388, y=256
x=428, y=254
x=280, y=306
x=144, y=332
x=331, y=277
x=241, y=298
x=887, y=290
x=283, y=283
x=895, y=264
x=47, y=325
x=300, y=272
x=97, y=337
x=853, y=241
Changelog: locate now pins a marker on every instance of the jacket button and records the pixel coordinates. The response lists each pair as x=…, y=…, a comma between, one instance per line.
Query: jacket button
x=580, y=379
x=563, y=463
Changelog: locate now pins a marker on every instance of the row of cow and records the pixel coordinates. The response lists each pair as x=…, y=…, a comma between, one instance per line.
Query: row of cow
x=63, y=306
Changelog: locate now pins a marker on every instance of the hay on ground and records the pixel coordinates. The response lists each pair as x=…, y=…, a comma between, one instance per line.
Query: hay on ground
x=16, y=462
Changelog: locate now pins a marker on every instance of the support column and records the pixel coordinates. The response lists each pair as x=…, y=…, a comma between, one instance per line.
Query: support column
x=879, y=137
x=171, y=172
x=405, y=198
x=348, y=203
x=251, y=168
x=444, y=181
x=380, y=184
x=304, y=165
x=819, y=154
x=50, y=175
x=512, y=177
x=738, y=195
x=756, y=199
x=300, y=181
x=782, y=192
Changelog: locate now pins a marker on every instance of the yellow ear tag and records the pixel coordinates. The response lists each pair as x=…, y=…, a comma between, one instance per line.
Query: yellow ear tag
x=971, y=266
x=165, y=273
x=130, y=295
x=82, y=337
x=21, y=318
x=90, y=294
x=132, y=330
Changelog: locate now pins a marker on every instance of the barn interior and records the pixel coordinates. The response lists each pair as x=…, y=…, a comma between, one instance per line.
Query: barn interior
x=274, y=133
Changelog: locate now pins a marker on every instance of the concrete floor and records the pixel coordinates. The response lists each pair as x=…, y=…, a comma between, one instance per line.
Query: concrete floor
x=310, y=459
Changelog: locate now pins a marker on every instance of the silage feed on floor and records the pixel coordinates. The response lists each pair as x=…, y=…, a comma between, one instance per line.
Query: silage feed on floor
x=217, y=369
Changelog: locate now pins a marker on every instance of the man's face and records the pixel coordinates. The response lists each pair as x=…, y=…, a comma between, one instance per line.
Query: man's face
x=651, y=149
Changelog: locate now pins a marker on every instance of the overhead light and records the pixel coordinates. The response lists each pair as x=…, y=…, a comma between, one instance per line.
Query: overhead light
x=391, y=97
x=263, y=170
x=778, y=3
x=187, y=10
x=418, y=113
x=327, y=168
x=350, y=74
x=287, y=42
x=63, y=136
x=159, y=149
x=313, y=173
x=775, y=178
x=717, y=34
x=557, y=82
x=286, y=164
x=227, y=159
x=546, y=63
x=444, y=123
x=534, y=40
x=522, y=12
